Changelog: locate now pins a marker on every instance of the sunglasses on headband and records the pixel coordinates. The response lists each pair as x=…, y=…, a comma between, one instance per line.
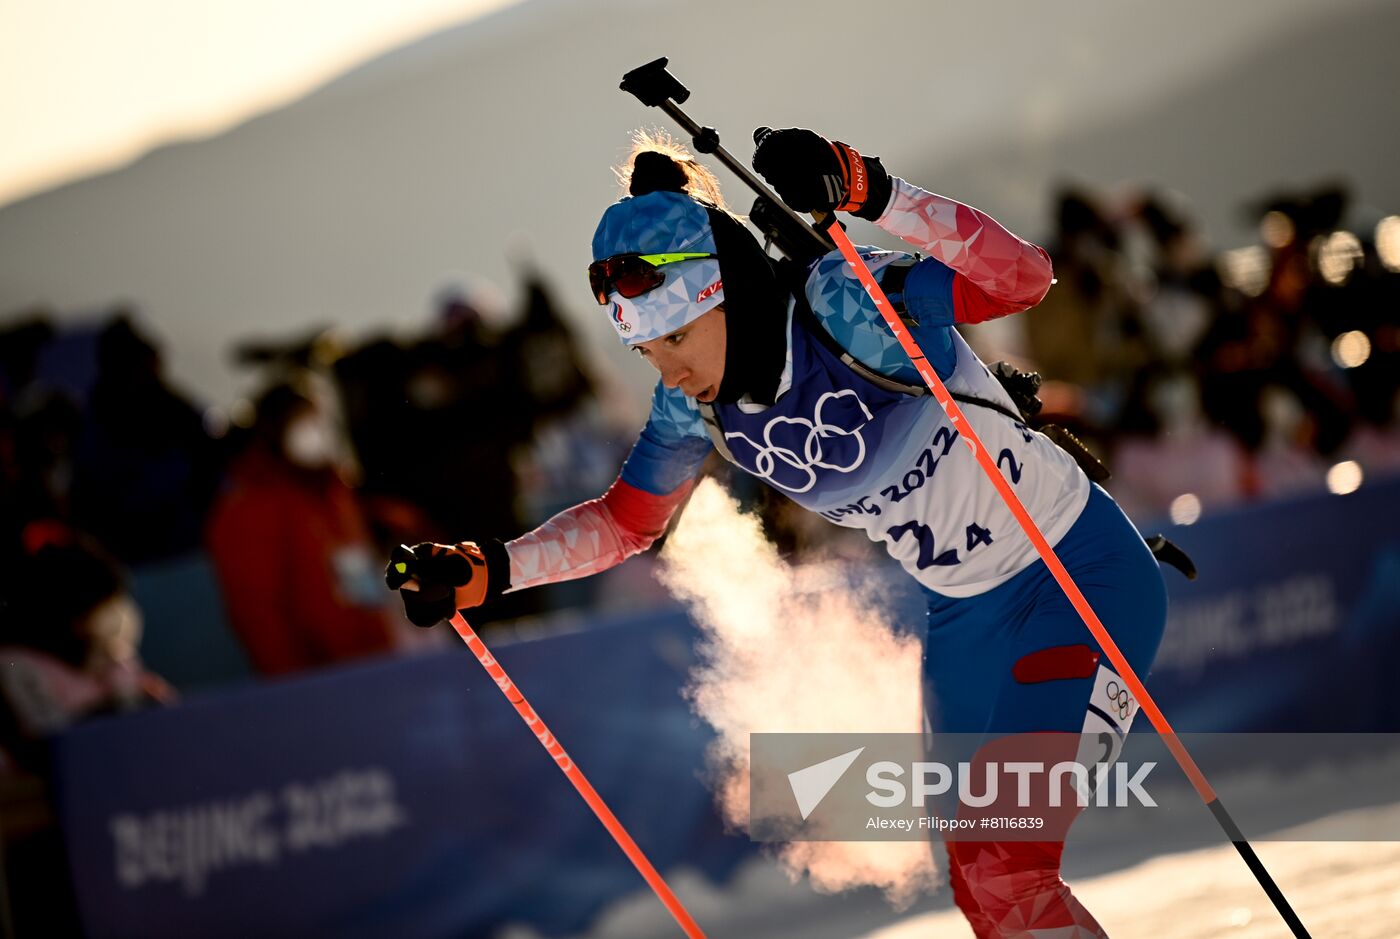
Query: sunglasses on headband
x=632, y=275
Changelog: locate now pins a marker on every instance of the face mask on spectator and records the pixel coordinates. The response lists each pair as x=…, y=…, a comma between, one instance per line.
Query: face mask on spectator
x=309, y=443
x=113, y=631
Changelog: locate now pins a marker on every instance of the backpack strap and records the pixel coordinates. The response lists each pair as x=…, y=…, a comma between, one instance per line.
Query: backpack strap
x=804, y=313
x=716, y=432
x=892, y=280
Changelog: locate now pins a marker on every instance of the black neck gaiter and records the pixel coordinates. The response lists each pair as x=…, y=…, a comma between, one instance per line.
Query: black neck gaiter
x=755, y=315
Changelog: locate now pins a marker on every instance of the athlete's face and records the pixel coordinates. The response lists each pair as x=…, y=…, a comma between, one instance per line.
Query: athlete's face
x=692, y=357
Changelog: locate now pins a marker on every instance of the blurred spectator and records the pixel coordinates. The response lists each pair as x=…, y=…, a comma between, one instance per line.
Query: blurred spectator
x=146, y=469
x=1167, y=449
x=466, y=407
x=69, y=644
x=575, y=447
x=20, y=345
x=1260, y=343
x=1289, y=347
x=1287, y=461
x=550, y=362
x=434, y=422
x=46, y=442
x=1180, y=289
x=301, y=577
x=37, y=430
x=485, y=427
x=35, y=467
x=1084, y=331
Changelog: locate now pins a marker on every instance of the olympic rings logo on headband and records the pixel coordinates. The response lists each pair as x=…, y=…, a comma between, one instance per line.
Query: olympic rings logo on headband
x=621, y=324
x=827, y=445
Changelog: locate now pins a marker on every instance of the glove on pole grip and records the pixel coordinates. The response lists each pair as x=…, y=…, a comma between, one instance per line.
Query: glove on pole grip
x=448, y=577
x=854, y=175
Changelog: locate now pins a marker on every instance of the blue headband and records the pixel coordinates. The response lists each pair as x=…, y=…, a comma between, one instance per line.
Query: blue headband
x=661, y=223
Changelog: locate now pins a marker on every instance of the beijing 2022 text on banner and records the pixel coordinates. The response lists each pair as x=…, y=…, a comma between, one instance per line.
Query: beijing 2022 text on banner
x=397, y=798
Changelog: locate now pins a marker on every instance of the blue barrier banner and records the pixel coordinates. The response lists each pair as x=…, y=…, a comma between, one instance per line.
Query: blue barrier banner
x=1294, y=622
x=401, y=798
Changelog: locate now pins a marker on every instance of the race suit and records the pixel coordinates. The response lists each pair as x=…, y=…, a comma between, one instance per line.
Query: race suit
x=1006, y=653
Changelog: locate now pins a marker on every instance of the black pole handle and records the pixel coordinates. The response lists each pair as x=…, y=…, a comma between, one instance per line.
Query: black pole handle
x=653, y=85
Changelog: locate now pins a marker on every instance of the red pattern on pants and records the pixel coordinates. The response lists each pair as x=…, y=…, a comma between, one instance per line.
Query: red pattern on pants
x=1015, y=671
x=1012, y=889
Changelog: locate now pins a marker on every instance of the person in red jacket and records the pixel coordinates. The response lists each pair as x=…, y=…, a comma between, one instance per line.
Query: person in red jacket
x=291, y=546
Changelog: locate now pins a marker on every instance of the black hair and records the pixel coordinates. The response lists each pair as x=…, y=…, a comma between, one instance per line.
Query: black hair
x=52, y=589
x=654, y=171
x=666, y=166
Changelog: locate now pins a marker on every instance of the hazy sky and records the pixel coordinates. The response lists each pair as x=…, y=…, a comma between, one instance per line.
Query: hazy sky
x=87, y=85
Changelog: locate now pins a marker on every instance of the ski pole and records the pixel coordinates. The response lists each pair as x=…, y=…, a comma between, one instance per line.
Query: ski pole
x=575, y=775
x=1070, y=588
x=653, y=79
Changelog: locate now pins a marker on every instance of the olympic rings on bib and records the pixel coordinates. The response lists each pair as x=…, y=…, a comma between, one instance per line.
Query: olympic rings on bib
x=824, y=445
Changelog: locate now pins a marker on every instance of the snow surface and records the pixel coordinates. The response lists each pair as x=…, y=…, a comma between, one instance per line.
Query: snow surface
x=1340, y=889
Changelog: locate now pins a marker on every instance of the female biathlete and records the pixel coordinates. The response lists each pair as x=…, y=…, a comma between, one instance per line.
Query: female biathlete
x=794, y=376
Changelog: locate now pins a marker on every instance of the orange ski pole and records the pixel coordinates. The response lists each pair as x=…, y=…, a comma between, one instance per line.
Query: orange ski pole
x=1066, y=582
x=575, y=775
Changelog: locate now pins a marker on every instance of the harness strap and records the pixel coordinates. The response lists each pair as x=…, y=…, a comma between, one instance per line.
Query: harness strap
x=711, y=419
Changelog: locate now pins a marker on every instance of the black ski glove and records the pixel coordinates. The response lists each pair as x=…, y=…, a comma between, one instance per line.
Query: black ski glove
x=447, y=578
x=813, y=174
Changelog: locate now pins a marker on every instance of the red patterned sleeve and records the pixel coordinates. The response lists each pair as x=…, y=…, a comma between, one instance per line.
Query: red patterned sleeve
x=592, y=536
x=1001, y=273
